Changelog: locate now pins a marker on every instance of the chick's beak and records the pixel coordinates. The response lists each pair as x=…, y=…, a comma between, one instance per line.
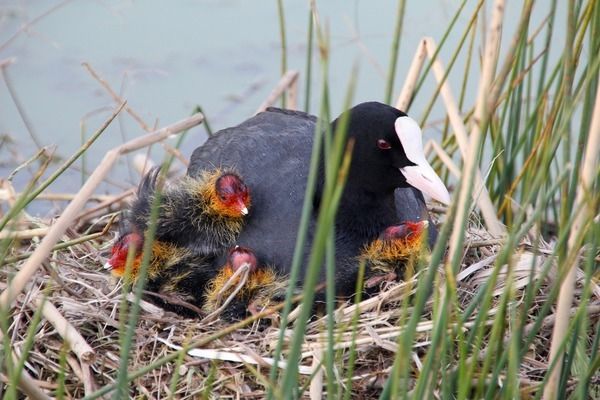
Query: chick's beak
x=108, y=265
x=242, y=207
x=421, y=175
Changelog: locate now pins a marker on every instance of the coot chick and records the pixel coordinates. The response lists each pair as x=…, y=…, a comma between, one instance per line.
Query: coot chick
x=262, y=286
x=204, y=213
x=173, y=273
x=395, y=253
x=387, y=154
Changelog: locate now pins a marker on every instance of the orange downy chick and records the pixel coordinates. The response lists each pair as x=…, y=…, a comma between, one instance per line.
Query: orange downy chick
x=262, y=285
x=396, y=251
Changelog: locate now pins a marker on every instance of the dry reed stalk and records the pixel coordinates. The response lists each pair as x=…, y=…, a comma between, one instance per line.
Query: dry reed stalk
x=292, y=95
x=428, y=47
x=445, y=158
x=480, y=116
x=225, y=355
x=110, y=200
x=76, y=342
x=118, y=99
x=585, y=213
x=31, y=388
x=10, y=196
x=284, y=83
x=7, y=61
x=45, y=151
x=143, y=164
x=242, y=273
x=412, y=76
x=176, y=153
x=27, y=26
x=316, y=383
x=70, y=212
x=60, y=196
x=89, y=385
x=24, y=234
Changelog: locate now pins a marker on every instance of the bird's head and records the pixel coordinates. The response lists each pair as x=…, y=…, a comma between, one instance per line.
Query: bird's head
x=131, y=242
x=408, y=231
x=238, y=256
x=388, y=152
x=232, y=196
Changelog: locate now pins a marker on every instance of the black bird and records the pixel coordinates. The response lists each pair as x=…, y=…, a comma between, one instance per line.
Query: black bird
x=272, y=151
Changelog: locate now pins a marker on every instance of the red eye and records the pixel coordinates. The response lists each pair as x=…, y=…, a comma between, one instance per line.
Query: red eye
x=383, y=144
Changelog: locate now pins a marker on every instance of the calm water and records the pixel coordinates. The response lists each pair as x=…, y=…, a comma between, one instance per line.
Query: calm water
x=167, y=57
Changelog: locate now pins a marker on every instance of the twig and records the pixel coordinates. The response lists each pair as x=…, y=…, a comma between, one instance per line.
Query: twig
x=89, y=385
x=41, y=152
x=316, y=383
x=77, y=343
x=62, y=196
x=115, y=96
x=28, y=25
x=481, y=116
x=412, y=76
x=244, y=272
x=20, y=109
x=215, y=354
x=31, y=388
x=480, y=193
x=284, y=83
x=175, y=300
x=292, y=96
x=66, y=244
x=24, y=234
x=585, y=205
x=107, y=203
x=446, y=159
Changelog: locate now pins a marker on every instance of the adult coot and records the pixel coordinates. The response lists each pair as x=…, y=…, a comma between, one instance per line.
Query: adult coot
x=272, y=151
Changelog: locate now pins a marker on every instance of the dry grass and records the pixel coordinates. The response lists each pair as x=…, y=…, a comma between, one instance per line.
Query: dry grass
x=89, y=299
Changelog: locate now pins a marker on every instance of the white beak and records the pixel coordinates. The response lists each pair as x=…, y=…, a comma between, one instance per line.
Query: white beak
x=244, y=211
x=108, y=265
x=421, y=175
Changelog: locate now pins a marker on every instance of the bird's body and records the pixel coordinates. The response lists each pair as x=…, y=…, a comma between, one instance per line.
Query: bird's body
x=172, y=275
x=395, y=253
x=197, y=219
x=262, y=286
x=191, y=212
x=272, y=151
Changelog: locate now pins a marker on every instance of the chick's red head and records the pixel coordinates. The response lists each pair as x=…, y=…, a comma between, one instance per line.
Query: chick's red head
x=239, y=256
x=408, y=231
x=118, y=259
x=233, y=196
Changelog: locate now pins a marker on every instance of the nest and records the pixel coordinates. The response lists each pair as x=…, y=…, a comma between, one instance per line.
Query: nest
x=89, y=299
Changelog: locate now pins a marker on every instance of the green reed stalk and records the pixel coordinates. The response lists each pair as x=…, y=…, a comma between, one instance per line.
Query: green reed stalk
x=389, y=87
